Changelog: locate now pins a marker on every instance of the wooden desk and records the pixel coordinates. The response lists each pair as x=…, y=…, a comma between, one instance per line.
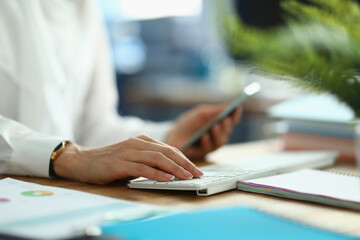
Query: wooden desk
x=336, y=219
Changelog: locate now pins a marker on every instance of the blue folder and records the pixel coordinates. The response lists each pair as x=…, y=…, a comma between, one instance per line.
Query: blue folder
x=225, y=223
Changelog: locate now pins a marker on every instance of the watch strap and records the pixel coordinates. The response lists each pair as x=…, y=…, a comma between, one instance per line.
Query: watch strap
x=54, y=155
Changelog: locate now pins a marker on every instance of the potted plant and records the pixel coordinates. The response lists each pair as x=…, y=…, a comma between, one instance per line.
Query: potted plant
x=318, y=49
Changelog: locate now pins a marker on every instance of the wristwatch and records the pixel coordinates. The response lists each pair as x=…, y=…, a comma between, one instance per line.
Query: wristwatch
x=54, y=155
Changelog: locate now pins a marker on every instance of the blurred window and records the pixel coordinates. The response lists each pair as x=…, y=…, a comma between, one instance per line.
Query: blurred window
x=145, y=9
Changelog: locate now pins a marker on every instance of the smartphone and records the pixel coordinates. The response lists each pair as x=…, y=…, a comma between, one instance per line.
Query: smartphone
x=248, y=91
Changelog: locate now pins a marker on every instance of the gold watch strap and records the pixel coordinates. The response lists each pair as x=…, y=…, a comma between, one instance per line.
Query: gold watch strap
x=54, y=155
x=58, y=150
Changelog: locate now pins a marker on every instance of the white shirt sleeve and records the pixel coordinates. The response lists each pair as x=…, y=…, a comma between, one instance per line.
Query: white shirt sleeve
x=100, y=123
x=24, y=151
x=48, y=93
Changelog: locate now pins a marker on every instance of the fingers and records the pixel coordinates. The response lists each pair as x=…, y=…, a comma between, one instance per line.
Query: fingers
x=206, y=143
x=236, y=115
x=176, y=155
x=159, y=161
x=220, y=134
x=164, y=157
x=227, y=126
x=139, y=169
x=205, y=147
x=219, y=137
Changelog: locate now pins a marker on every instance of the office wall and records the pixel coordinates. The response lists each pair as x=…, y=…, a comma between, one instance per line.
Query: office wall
x=169, y=64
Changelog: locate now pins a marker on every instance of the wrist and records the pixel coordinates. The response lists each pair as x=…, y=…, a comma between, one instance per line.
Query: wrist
x=68, y=162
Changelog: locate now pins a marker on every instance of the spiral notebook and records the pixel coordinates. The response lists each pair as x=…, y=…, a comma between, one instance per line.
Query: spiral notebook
x=309, y=185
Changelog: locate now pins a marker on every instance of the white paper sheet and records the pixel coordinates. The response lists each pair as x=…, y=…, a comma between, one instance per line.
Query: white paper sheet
x=39, y=211
x=315, y=182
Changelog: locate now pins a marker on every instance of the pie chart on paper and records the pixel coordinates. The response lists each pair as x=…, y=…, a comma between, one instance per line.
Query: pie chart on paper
x=37, y=193
x=4, y=200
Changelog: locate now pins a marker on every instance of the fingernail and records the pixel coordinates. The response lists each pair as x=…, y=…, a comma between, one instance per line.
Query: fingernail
x=198, y=172
x=188, y=175
x=169, y=176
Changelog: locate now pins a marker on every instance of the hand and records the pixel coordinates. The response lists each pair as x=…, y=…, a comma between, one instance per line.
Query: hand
x=191, y=121
x=135, y=157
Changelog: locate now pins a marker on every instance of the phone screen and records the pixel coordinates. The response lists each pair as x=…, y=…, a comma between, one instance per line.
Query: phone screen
x=248, y=91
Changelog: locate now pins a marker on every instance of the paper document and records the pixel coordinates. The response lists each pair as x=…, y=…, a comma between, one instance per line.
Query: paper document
x=42, y=212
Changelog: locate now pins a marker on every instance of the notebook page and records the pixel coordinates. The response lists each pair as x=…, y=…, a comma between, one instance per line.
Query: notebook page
x=315, y=182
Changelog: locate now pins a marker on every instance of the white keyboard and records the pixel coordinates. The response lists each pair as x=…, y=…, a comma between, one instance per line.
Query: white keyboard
x=208, y=178
x=219, y=178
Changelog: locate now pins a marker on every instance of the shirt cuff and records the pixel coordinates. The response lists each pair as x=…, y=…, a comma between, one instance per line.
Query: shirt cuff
x=32, y=154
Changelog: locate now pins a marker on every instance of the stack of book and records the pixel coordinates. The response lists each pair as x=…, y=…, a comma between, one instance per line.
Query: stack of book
x=315, y=122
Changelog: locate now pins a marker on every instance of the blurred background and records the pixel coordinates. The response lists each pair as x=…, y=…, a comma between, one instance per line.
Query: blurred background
x=170, y=56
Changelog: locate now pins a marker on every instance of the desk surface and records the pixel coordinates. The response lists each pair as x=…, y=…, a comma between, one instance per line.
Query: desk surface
x=336, y=219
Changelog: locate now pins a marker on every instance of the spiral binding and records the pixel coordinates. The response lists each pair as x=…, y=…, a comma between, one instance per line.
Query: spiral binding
x=356, y=175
